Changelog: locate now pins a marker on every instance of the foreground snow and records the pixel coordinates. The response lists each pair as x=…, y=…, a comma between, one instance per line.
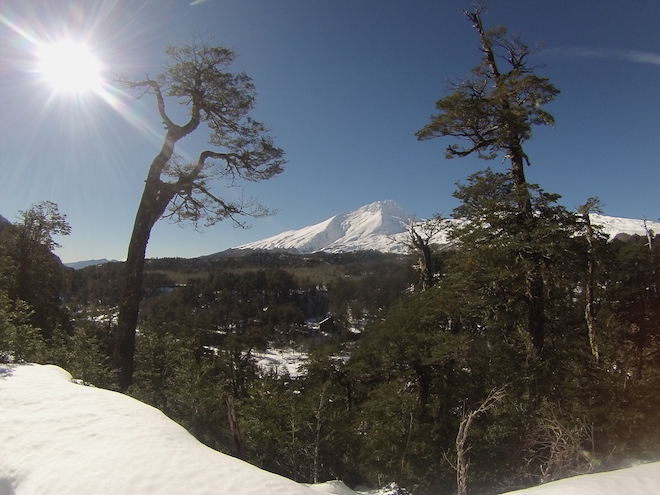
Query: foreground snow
x=638, y=480
x=60, y=437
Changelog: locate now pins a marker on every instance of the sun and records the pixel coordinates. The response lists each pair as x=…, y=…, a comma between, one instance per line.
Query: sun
x=69, y=67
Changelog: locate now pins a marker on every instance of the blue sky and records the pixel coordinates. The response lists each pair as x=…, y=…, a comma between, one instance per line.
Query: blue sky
x=343, y=85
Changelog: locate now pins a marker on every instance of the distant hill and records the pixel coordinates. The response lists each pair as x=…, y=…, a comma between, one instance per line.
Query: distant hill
x=4, y=223
x=77, y=265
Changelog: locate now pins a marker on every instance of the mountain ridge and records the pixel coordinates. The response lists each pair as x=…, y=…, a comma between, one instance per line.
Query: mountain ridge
x=381, y=226
x=378, y=226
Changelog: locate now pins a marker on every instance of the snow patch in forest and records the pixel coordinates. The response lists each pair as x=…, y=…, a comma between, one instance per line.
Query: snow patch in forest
x=282, y=361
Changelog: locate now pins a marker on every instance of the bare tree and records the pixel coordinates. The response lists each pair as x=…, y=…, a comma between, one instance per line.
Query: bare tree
x=591, y=206
x=650, y=235
x=419, y=239
x=195, y=76
x=462, y=464
x=560, y=447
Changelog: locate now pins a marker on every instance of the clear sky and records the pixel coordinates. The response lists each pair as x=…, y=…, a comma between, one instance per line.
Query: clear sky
x=343, y=85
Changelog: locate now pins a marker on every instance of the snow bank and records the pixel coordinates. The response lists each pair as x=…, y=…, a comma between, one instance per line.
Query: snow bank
x=638, y=480
x=63, y=438
x=60, y=437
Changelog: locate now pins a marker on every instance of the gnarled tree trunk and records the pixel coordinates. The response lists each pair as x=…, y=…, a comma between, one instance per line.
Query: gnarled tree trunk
x=155, y=199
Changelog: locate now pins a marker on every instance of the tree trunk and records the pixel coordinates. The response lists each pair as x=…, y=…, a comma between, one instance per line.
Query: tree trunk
x=534, y=285
x=534, y=293
x=234, y=429
x=429, y=276
x=589, y=310
x=535, y=303
x=155, y=199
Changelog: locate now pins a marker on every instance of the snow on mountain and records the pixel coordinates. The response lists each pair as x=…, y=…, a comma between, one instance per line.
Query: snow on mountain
x=377, y=226
x=613, y=226
x=61, y=437
x=381, y=226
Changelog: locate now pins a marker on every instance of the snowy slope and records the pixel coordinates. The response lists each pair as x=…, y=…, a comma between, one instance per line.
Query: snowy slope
x=63, y=438
x=617, y=225
x=67, y=439
x=373, y=226
x=638, y=480
x=381, y=226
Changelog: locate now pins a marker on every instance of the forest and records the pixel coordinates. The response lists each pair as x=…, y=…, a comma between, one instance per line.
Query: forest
x=527, y=353
x=408, y=379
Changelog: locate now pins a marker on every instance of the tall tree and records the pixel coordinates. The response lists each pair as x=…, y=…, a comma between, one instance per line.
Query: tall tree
x=494, y=111
x=29, y=271
x=195, y=77
x=36, y=229
x=591, y=206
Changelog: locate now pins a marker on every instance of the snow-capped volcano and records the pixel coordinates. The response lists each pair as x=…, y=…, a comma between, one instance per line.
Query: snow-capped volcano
x=377, y=226
x=381, y=226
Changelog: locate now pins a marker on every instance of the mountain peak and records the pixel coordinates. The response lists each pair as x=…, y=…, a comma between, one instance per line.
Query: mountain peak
x=387, y=205
x=370, y=227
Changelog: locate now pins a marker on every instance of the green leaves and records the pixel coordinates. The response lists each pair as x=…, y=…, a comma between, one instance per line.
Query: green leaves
x=493, y=111
x=41, y=222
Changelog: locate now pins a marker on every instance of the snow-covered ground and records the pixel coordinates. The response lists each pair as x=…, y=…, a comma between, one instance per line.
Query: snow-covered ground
x=281, y=361
x=638, y=480
x=59, y=437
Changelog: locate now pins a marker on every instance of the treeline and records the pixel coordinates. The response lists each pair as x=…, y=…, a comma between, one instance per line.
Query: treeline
x=579, y=396
x=361, y=281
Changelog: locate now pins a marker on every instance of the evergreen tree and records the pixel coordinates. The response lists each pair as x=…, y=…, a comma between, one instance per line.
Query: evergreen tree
x=19, y=341
x=494, y=111
x=495, y=249
x=30, y=271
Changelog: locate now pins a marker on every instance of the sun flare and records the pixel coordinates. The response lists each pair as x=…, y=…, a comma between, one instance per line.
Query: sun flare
x=70, y=67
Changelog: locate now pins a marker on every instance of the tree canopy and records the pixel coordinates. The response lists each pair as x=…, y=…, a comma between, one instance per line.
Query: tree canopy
x=491, y=109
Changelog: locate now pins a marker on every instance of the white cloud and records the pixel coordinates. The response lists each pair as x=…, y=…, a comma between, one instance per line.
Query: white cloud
x=636, y=56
